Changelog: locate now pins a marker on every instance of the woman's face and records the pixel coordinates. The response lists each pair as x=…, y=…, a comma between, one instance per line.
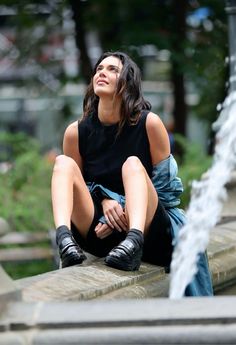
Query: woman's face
x=106, y=76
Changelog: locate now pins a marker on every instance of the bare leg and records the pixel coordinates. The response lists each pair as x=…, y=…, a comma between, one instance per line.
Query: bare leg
x=71, y=200
x=70, y=196
x=141, y=204
x=141, y=196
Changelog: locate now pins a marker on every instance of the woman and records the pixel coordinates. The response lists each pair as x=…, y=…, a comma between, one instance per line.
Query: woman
x=115, y=190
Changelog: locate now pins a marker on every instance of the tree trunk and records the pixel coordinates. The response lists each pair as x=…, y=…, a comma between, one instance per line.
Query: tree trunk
x=77, y=7
x=179, y=35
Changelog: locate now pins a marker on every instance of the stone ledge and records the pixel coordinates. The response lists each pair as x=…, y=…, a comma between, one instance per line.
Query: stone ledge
x=95, y=280
x=229, y=204
x=232, y=182
x=8, y=290
x=149, y=312
x=222, y=254
x=88, y=281
x=149, y=321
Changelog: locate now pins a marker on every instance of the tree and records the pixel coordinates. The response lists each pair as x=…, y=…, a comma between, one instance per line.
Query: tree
x=128, y=25
x=178, y=42
x=79, y=8
x=197, y=52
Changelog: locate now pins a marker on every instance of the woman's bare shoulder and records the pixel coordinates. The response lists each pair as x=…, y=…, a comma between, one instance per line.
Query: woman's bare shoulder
x=153, y=120
x=72, y=127
x=155, y=125
x=70, y=139
x=158, y=138
x=71, y=131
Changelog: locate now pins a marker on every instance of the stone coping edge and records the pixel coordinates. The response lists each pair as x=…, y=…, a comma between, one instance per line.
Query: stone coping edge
x=95, y=280
x=146, y=321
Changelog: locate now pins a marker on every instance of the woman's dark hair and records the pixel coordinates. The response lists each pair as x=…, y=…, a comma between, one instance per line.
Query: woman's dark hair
x=128, y=87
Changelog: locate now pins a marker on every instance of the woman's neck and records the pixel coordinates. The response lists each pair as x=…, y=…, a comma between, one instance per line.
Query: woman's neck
x=108, y=113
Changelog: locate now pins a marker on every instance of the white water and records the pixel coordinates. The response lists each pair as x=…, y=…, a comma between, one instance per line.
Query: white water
x=206, y=202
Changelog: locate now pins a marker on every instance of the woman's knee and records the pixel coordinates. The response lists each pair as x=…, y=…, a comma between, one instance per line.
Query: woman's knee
x=64, y=163
x=132, y=165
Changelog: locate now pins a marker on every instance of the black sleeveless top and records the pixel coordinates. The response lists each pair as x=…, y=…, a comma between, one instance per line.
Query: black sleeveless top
x=103, y=152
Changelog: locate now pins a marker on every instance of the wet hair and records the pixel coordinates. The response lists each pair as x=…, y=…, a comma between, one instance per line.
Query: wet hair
x=128, y=88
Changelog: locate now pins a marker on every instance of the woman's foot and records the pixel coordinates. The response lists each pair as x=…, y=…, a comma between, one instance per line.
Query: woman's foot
x=127, y=255
x=70, y=252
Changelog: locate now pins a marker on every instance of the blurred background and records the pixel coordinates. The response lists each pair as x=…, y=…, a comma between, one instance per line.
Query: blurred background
x=47, y=52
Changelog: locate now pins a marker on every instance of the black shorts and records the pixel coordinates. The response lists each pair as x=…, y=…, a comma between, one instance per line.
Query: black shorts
x=157, y=243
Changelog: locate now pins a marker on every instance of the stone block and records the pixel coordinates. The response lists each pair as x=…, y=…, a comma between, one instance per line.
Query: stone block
x=147, y=321
x=8, y=289
x=89, y=281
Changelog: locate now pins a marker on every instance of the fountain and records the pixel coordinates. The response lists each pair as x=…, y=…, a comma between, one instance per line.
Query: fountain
x=118, y=319
x=209, y=193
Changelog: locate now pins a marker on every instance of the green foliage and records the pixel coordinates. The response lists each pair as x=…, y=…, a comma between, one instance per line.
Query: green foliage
x=193, y=163
x=208, y=69
x=25, y=200
x=23, y=270
x=199, y=53
x=12, y=146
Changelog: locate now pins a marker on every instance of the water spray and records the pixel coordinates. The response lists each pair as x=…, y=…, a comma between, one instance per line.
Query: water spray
x=208, y=194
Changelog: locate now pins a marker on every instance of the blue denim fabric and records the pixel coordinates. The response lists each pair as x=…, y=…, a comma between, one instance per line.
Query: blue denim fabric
x=107, y=193
x=169, y=188
x=166, y=182
x=201, y=284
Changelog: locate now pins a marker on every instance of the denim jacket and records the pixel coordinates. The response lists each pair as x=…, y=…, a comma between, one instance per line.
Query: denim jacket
x=169, y=188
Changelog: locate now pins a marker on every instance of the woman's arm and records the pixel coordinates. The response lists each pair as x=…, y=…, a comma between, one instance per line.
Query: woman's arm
x=71, y=143
x=158, y=138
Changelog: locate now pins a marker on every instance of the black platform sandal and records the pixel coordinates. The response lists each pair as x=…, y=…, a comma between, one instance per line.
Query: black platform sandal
x=70, y=252
x=126, y=256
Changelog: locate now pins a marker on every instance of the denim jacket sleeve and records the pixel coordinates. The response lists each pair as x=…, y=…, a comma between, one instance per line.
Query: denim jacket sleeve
x=167, y=184
x=169, y=187
x=107, y=193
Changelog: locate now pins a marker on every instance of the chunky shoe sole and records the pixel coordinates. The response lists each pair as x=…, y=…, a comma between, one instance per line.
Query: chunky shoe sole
x=126, y=256
x=70, y=252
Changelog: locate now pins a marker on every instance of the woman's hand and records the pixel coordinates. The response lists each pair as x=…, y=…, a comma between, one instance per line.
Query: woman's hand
x=114, y=215
x=103, y=230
